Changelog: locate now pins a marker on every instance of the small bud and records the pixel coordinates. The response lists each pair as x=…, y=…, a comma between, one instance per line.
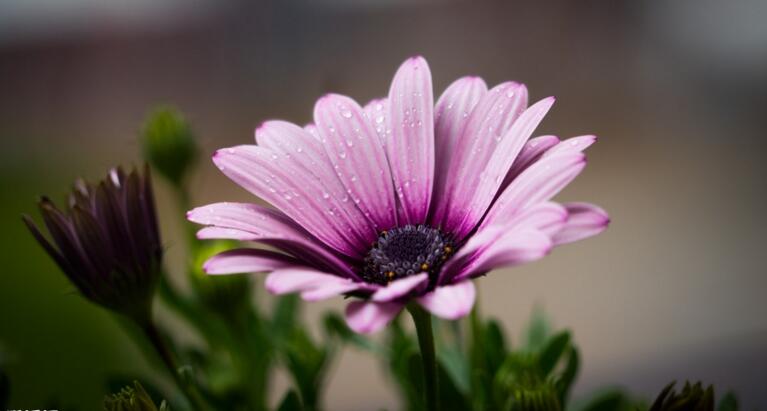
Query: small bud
x=692, y=398
x=168, y=143
x=133, y=398
x=107, y=241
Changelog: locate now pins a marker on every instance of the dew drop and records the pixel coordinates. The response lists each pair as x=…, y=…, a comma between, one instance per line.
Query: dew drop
x=346, y=114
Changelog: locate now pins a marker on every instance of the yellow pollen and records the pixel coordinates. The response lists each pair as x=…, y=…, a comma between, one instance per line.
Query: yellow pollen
x=390, y=275
x=448, y=249
x=424, y=266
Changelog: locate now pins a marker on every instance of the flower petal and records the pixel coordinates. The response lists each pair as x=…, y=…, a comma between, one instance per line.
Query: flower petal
x=450, y=302
x=584, y=220
x=490, y=119
x=358, y=158
x=300, y=279
x=399, y=288
x=546, y=217
x=539, y=182
x=296, y=146
x=247, y=260
x=410, y=146
x=366, y=317
x=451, y=116
x=500, y=162
x=514, y=248
x=297, y=193
x=270, y=227
x=376, y=111
x=572, y=145
x=531, y=152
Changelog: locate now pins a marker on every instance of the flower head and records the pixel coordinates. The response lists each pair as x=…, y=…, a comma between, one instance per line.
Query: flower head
x=107, y=241
x=401, y=200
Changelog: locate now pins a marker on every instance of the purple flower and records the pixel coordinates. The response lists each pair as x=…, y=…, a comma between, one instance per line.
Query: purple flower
x=107, y=241
x=401, y=200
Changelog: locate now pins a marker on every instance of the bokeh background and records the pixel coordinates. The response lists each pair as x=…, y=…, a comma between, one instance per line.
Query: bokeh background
x=676, y=90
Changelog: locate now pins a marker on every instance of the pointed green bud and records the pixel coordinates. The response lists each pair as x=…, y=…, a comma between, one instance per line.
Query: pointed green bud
x=691, y=398
x=133, y=398
x=168, y=143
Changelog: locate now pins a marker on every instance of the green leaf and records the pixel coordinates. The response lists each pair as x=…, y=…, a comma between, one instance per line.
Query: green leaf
x=456, y=367
x=290, y=402
x=335, y=326
x=609, y=400
x=729, y=402
x=285, y=315
x=537, y=330
x=552, y=351
x=565, y=381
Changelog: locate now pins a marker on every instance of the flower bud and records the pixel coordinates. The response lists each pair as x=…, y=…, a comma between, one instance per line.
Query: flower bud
x=692, y=398
x=107, y=241
x=168, y=143
x=132, y=399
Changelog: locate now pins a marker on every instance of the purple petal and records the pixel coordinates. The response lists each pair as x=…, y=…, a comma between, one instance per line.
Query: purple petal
x=410, y=146
x=377, y=111
x=572, y=145
x=546, y=217
x=330, y=290
x=450, y=302
x=270, y=227
x=212, y=233
x=490, y=119
x=538, y=183
x=291, y=189
x=531, y=152
x=400, y=288
x=301, y=279
x=358, y=158
x=451, y=116
x=584, y=220
x=366, y=317
x=296, y=146
x=500, y=162
x=514, y=248
x=247, y=260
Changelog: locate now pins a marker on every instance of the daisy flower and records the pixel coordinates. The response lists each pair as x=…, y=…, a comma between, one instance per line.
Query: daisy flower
x=402, y=202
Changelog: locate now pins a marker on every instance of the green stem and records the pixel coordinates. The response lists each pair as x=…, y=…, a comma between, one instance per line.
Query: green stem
x=155, y=338
x=423, y=328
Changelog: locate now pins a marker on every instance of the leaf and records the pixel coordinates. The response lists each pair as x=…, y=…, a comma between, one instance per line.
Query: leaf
x=290, y=402
x=456, y=368
x=609, y=400
x=552, y=351
x=537, y=330
x=729, y=402
x=566, y=379
x=284, y=317
x=335, y=326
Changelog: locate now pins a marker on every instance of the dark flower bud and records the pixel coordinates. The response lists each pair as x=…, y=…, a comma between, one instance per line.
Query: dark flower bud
x=692, y=398
x=106, y=241
x=168, y=143
x=132, y=399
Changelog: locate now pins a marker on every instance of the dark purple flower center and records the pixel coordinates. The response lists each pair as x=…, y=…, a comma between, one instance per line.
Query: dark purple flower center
x=405, y=251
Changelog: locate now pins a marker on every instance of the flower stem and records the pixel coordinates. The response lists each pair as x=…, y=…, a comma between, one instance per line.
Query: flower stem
x=422, y=321
x=155, y=338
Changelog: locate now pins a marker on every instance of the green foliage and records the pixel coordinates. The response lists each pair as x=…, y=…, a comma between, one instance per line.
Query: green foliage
x=132, y=398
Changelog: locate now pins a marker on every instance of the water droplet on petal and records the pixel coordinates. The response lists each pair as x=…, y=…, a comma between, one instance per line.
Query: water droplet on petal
x=346, y=114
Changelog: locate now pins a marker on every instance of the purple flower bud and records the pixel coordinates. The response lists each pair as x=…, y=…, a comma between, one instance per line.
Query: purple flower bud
x=107, y=241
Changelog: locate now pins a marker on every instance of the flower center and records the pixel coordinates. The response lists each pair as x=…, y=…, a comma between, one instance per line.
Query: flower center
x=405, y=251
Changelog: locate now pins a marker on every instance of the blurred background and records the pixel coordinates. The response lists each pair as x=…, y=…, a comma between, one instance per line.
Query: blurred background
x=676, y=91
